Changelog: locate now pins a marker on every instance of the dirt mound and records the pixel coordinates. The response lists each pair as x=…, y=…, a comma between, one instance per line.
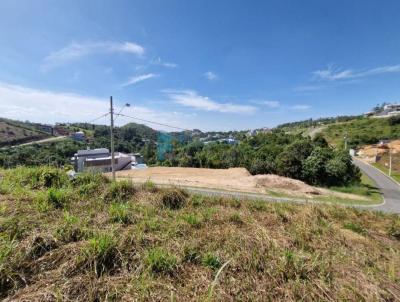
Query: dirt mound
x=284, y=183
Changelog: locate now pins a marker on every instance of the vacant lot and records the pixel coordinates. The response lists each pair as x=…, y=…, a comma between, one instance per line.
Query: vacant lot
x=91, y=240
x=234, y=179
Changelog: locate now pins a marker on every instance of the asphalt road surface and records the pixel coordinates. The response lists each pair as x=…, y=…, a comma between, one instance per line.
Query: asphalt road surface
x=389, y=188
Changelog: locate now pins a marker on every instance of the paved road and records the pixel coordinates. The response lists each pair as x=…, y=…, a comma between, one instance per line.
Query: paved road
x=389, y=188
x=42, y=141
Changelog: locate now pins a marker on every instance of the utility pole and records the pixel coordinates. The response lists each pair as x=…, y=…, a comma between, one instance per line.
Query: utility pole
x=112, y=138
x=345, y=142
x=390, y=161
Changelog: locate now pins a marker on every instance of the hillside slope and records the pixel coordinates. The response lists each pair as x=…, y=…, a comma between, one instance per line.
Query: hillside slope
x=90, y=240
x=362, y=131
x=14, y=133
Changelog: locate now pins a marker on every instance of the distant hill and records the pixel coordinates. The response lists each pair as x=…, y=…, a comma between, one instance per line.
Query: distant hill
x=362, y=131
x=16, y=132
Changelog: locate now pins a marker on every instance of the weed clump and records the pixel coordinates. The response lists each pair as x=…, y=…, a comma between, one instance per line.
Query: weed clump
x=149, y=186
x=355, y=228
x=119, y=191
x=59, y=198
x=193, y=220
x=212, y=261
x=174, y=198
x=119, y=212
x=101, y=253
x=160, y=261
x=71, y=230
x=88, y=183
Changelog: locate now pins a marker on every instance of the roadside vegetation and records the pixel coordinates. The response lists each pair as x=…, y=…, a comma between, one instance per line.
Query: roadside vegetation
x=294, y=156
x=362, y=131
x=89, y=239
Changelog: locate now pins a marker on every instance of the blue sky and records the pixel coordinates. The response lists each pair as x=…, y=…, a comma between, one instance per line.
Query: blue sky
x=213, y=65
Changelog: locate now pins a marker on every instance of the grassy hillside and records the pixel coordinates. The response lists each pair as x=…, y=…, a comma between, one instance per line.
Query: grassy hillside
x=13, y=133
x=362, y=131
x=91, y=240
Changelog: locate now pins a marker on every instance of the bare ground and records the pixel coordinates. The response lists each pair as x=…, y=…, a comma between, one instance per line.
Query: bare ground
x=233, y=179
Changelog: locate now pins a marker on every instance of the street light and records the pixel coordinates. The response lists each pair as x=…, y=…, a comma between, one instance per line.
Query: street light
x=112, y=134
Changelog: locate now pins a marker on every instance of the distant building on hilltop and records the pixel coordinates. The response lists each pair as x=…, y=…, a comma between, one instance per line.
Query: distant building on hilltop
x=386, y=111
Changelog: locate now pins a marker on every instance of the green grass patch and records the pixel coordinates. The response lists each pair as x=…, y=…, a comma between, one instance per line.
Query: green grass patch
x=160, y=261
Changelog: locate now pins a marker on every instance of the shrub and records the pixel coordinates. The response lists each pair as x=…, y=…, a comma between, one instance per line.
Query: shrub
x=212, y=261
x=160, y=261
x=119, y=191
x=174, y=198
x=196, y=200
x=119, y=212
x=101, y=253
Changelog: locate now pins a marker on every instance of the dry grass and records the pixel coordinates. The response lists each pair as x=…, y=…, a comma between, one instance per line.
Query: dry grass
x=204, y=249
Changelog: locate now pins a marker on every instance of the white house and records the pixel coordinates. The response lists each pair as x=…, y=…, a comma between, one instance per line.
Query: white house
x=100, y=160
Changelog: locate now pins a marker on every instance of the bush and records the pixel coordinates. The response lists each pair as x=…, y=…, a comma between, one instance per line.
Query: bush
x=160, y=261
x=174, y=198
x=119, y=191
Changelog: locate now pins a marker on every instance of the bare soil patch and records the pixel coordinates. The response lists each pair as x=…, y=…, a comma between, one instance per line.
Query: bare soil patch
x=233, y=179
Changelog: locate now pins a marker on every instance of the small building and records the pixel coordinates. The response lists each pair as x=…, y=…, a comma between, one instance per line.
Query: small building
x=45, y=128
x=99, y=160
x=78, y=136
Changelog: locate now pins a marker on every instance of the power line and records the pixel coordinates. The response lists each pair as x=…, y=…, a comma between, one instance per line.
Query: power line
x=97, y=118
x=156, y=123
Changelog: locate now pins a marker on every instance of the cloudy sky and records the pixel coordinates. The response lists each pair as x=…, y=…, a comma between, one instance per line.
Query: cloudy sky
x=197, y=64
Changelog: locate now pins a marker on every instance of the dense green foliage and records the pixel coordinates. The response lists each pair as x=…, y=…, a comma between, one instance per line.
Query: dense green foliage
x=363, y=131
x=57, y=153
x=293, y=156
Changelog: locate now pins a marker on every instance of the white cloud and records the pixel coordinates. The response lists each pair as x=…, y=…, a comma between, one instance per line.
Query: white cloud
x=211, y=76
x=332, y=73
x=22, y=103
x=139, y=78
x=190, y=98
x=300, y=107
x=270, y=104
x=158, y=61
x=75, y=51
